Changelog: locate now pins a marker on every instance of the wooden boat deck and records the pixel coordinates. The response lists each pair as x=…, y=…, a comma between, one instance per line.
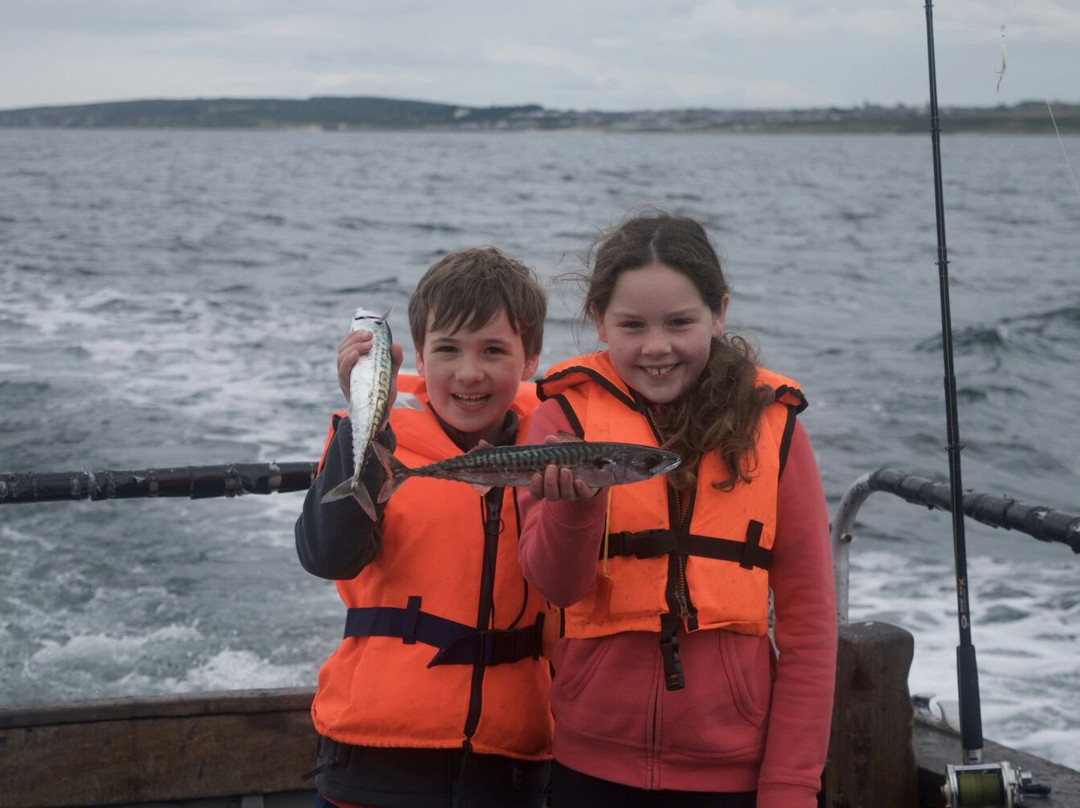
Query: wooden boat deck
x=198, y=748
x=936, y=748
x=248, y=749
x=285, y=799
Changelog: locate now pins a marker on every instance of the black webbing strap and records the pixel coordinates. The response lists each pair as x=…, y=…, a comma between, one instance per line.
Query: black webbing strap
x=785, y=438
x=751, y=549
x=643, y=543
x=652, y=543
x=458, y=643
x=571, y=416
x=494, y=646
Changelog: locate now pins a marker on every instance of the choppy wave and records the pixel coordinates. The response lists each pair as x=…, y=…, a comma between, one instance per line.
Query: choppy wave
x=176, y=298
x=1026, y=629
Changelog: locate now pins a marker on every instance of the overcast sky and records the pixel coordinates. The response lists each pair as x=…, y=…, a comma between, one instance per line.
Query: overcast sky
x=563, y=54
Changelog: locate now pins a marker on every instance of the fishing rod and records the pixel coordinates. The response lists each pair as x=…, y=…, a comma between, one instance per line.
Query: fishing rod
x=972, y=784
x=194, y=482
x=967, y=671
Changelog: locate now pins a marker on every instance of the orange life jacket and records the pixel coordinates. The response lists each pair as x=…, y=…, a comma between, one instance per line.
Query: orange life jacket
x=443, y=634
x=702, y=564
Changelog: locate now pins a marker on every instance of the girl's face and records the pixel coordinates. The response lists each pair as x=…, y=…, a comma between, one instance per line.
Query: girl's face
x=658, y=330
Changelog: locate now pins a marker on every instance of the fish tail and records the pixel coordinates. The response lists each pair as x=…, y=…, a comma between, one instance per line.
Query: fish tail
x=353, y=487
x=338, y=492
x=396, y=471
x=363, y=499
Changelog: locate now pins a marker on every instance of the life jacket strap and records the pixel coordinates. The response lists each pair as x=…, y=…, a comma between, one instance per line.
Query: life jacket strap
x=752, y=548
x=652, y=543
x=458, y=643
x=642, y=544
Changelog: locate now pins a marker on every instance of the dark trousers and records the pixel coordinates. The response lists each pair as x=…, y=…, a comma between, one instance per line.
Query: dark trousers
x=572, y=789
x=427, y=778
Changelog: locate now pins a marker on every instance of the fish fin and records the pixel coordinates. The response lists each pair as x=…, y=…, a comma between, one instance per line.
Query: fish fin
x=363, y=499
x=338, y=492
x=396, y=471
x=355, y=489
x=480, y=488
x=383, y=457
x=567, y=437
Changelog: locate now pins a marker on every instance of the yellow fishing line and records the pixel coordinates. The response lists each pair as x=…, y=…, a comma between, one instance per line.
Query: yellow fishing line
x=607, y=529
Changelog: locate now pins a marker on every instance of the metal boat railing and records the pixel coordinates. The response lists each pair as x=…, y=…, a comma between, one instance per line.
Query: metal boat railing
x=195, y=482
x=237, y=479
x=1044, y=524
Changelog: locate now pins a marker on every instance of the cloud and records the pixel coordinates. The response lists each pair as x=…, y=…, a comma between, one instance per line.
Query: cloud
x=620, y=83
x=796, y=19
x=560, y=53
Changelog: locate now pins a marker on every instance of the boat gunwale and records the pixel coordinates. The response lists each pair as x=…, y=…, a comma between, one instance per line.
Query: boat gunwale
x=205, y=703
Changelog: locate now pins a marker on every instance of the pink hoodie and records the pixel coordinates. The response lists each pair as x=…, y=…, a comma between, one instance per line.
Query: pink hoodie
x=746, y=720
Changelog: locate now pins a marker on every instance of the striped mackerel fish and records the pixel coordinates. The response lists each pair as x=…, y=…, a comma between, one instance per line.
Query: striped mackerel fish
x=598, y=464
x=369, y=394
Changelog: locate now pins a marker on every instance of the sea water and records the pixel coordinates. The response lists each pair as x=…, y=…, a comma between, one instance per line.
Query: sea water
x=172, y=298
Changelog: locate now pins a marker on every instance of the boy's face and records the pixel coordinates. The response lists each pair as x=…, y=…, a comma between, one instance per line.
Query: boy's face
x=473, y=376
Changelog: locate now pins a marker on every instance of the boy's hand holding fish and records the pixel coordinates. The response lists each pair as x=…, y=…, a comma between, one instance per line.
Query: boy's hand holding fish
x=357, y=344
x=367, y=372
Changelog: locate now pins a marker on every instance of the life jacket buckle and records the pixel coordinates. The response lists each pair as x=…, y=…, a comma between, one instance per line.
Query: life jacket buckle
x=498, y=644
x=669, y=652
x=511, y=644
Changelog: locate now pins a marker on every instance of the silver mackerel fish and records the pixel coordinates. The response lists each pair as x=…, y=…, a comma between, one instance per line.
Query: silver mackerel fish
x=600, y=464
x=369, y=395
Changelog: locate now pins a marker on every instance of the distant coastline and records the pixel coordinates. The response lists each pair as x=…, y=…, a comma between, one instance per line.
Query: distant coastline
x=366, y=113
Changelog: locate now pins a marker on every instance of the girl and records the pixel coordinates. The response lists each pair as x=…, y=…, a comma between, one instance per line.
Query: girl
x=667, y=689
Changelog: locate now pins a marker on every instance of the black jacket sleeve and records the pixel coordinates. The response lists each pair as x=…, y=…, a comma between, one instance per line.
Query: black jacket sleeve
x=336, y=540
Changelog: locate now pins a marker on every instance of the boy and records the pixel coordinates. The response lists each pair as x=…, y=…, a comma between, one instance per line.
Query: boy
x=437, y=695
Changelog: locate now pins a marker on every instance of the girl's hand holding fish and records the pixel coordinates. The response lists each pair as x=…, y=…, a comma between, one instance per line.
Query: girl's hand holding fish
x=554, y=483
x=357, y=344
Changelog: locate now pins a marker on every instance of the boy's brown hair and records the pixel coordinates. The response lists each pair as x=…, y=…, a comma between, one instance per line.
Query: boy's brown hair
x=468, y=288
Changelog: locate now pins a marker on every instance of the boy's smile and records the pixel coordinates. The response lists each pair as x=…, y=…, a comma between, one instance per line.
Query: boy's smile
x=473, y=376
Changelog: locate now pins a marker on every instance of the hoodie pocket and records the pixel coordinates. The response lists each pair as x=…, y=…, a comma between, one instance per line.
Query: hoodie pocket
x=748, y=665
x=578, y=663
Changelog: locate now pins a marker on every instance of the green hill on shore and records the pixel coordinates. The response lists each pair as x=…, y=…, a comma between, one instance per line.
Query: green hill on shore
x=357, y=113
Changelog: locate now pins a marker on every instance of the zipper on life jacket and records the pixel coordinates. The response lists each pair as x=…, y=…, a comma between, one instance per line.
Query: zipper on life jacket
x=687, y=612
x=681, y=610
x=491, y=510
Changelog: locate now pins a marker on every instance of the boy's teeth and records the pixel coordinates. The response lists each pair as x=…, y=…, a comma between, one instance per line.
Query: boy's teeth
x=658, y=371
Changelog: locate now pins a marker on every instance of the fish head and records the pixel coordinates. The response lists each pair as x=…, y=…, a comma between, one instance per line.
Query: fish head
x=368, y=320
x=366, y=314
x=638, y=463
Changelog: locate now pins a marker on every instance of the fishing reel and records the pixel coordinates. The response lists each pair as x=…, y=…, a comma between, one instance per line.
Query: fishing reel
x=987, y=785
